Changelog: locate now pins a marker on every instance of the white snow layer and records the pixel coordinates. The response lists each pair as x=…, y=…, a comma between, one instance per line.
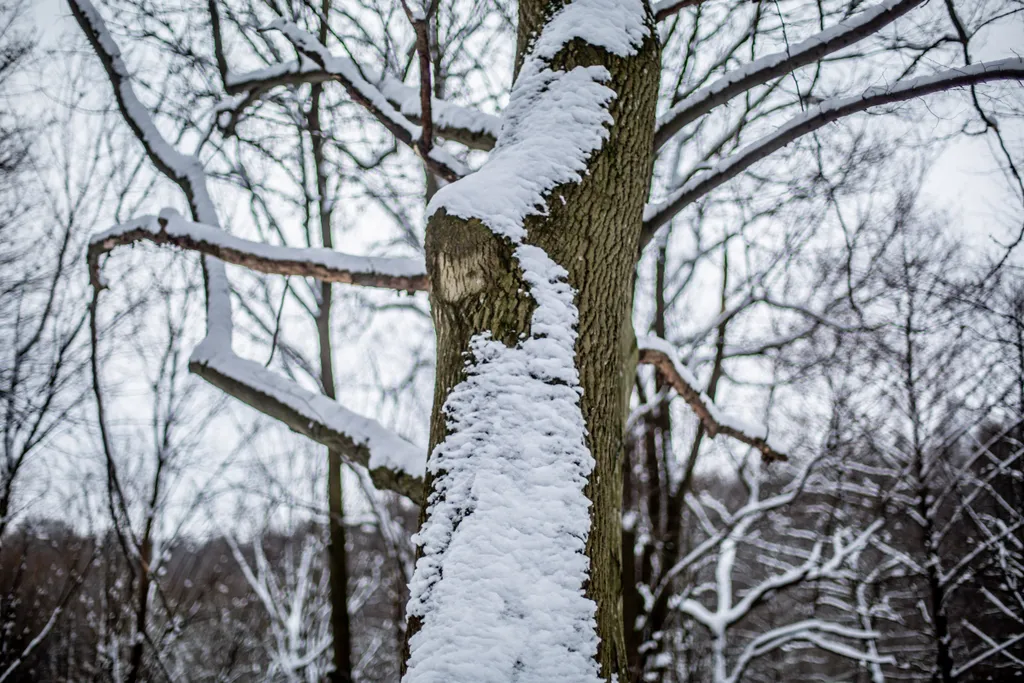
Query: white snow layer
x=554, y=122
x=499, y=586
x=618, y=26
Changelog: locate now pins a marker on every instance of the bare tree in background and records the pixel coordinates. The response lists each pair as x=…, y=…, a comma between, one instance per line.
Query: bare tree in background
x=530, y=258
x=758, y=531
x=930, y=429
x=28, y=290
x=160, y=472
x=50, y=194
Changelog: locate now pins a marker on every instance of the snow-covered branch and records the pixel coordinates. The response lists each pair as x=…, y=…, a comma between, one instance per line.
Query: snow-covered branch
x=657, y=215
x=669, y=8
x=727, y=611
x=393, y=463
x=371, y=98
x=464, y=125
x=662, y=355
x=298, y=622
x=769, y=67
x=32, y=644
x=812, y=569
x=963, y=565
x=996, y=649
x=809, y=630
x=754, y=508
x=327, y=265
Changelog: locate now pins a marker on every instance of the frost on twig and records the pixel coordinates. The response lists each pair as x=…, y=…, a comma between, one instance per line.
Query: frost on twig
x=662, y=355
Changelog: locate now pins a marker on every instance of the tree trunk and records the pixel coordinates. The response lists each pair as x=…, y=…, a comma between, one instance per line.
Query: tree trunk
x=592, y=230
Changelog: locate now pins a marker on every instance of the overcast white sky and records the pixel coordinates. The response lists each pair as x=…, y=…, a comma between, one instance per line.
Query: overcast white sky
x=966, y=179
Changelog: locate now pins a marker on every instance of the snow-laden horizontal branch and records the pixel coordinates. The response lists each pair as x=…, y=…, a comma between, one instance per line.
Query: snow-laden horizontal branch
x=659, y=353
x=812, y=569
x=363, y=92
x=464, y=125
x=769, y=67
x=809, y=630
x=327, y=265
x=393, y=463
x=828, y=111
x=461, y=124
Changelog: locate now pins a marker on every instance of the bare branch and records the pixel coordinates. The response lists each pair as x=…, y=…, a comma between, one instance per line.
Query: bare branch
x=810, y=630
x=218, y=41
x=657, y=352
x=421, y=26
x=760, y=71
x=657, y=215
x=326, y=265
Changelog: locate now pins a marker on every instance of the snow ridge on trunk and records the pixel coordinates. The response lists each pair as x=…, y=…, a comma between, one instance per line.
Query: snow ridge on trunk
x=499, y=587
x=500, y=583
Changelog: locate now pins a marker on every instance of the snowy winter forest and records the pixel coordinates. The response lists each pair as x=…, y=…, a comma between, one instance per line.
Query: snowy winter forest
x=492, y=341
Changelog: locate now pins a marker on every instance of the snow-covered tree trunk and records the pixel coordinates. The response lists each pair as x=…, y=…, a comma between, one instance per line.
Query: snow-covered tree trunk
x=580, y=145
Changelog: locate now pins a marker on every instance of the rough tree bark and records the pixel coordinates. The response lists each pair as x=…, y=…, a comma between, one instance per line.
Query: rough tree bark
x=593, y=232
